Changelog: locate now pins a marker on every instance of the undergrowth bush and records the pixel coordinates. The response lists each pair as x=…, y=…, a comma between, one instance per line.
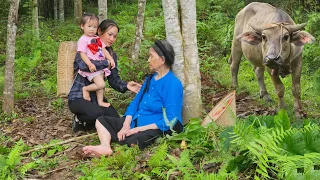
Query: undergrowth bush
x=10, y=164
x=277, y=149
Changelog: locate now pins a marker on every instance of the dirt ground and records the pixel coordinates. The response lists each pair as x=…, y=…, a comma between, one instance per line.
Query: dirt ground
x=41, y=120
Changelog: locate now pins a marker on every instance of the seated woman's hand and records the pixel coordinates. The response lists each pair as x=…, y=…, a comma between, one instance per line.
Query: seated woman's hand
x=122, y=133
x=134, y=131
x=133, y=86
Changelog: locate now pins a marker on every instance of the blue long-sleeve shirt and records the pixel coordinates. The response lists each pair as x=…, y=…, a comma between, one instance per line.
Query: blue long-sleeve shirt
x=167, y=93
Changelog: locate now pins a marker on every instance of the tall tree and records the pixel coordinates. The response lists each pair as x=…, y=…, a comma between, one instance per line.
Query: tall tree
x=173, y=34
x=35, y=18
x=55, y=9
x=61, y=10
x=8, y=91
x=103, y=10
x=139, y=29
x=192, y=64
x=77, y=10
x=184, y=41
x=174, y=37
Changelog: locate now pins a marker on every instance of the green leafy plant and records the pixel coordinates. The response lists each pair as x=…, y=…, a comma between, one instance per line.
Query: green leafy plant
x=182, y=165
x=158, y=161
x=58, y=104
x=10, y=164
x=8, y=117
x=277, y=149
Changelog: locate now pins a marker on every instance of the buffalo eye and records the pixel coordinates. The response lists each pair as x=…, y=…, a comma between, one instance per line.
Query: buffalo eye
x=264, y=37
x=285, y=37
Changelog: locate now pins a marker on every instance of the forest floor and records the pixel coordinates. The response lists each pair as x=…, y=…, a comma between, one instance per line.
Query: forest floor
x=40, y=122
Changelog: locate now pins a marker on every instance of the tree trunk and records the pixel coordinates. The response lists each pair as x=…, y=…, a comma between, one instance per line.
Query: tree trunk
x=139, y=29
x=77, y=11
x=35, y=19
x=192, y=65
x=103, y=9
x=61, y=10
x=8, y=91
x=174, y=37
x=55, y=9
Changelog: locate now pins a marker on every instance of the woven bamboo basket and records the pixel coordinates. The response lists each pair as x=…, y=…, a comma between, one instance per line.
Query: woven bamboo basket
x=224, y=113
x=66, y=54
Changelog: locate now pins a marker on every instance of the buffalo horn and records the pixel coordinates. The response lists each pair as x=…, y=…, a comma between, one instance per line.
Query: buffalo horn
x=296, y=27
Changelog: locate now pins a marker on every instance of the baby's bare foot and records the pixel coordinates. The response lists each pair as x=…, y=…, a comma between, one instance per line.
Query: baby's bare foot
x=104, y=104
x=86, y=94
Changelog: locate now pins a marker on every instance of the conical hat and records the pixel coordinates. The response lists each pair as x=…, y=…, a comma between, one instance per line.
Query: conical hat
x=224, y=113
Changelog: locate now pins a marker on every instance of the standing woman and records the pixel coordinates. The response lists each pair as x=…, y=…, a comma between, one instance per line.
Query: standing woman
x=144, y=119
x=86, y=112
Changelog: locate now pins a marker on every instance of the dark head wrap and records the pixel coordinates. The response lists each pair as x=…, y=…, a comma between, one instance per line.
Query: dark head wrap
x=163, y=51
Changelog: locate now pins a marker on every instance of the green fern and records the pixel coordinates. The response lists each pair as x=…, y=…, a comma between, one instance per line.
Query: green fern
x=183, y=165
x=14, y=155
x=242, y=134
x=144, y=177
x=159, y=156
x=26, y=167
x=10, y=163
x=159, y=172
x=312, y=138
x=282, y=120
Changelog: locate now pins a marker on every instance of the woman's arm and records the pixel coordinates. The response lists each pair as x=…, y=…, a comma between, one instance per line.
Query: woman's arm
x=114, y=79
x=141, y=128
x=172, y=102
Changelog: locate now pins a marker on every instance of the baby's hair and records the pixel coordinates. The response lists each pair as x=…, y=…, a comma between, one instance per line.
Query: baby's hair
x=88, y=16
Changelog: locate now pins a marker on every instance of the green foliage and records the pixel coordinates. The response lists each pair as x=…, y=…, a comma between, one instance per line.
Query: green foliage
x=311, y=53
x=182, y=164
x=158, y=158
x=58, y=104
x=51, y=150
x=158, y=161
x=123, y=161
x=4, y=117
x=199, y=138
x=276, y=149
x=10, y=164
x=260, y=147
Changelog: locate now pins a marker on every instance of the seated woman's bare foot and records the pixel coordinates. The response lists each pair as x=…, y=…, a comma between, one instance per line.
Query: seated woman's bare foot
x=97, y=151
x=104, y=104
x=86, y=94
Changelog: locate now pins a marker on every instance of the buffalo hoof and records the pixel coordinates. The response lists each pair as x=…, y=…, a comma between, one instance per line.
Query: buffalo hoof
x=266, y=98
x=301, y=114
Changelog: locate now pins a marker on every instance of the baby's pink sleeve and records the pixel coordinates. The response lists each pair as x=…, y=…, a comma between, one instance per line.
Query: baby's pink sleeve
x=82, y=45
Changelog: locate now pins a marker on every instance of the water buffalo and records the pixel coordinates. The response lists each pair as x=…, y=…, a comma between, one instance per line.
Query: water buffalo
x=269, y=38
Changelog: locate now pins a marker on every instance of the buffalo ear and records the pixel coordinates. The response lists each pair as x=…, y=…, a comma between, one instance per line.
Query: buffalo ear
x=300, y=38
x=250, y=37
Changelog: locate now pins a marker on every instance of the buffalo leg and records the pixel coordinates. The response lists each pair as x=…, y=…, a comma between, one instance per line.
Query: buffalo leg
x=263, y=90
x=279, y=87
x=296, y=89
x=234, y=60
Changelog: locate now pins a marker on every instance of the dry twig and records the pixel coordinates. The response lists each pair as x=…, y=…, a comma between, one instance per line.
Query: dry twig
x=58, y=143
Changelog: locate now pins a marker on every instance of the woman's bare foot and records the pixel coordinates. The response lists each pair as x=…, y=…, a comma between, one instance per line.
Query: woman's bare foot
x=86, y=94
x=97, y=151
x=104, y=104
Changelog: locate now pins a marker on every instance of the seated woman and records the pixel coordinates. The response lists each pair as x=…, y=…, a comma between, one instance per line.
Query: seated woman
x=86, y=112
x=144, y=119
